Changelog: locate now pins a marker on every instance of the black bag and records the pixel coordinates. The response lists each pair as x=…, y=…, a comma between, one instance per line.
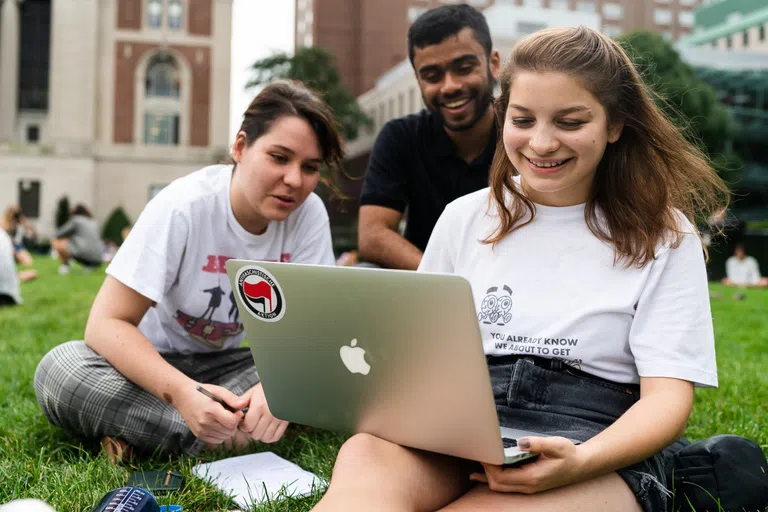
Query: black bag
x=721, y=473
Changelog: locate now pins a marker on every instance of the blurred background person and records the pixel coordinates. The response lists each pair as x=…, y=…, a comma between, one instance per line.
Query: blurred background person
x=10, y=293
x=79, y=239
x=20, y=230
x=743, y=270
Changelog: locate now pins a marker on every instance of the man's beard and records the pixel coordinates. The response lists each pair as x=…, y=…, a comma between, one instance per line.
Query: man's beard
x=483, y=101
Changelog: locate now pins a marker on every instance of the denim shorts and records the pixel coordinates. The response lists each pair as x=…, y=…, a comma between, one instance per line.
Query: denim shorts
x=531, y=395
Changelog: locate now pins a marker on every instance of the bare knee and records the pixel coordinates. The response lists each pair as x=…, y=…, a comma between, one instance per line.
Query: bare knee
x=363, y=452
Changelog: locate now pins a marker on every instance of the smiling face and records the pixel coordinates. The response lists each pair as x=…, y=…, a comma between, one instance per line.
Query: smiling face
x=275, y=173
x=456, y=79
x=555, y=134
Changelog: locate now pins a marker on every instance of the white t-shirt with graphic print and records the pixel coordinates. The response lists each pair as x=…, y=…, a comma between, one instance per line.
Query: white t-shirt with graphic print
x=175, y=256
x=551, y=289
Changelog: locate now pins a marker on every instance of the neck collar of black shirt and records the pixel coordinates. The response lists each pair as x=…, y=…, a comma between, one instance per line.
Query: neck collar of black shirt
x=444, y=146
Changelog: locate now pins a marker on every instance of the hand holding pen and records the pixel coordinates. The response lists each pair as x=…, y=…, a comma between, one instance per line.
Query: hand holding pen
x=219, y=400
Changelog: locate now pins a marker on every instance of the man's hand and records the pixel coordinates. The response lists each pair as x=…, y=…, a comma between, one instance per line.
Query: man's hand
x=259, y=423
x=208, y=419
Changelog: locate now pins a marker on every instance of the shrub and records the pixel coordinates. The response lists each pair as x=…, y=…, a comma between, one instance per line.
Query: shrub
x=62, y=211
x=114, y=226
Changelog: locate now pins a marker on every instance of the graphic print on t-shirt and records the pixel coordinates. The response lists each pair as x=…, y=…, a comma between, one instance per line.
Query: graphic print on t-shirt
x=496, y=310
x=203, y=327
x=496, y=307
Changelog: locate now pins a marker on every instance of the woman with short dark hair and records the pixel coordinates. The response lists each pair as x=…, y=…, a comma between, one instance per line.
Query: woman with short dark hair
x=165, y=321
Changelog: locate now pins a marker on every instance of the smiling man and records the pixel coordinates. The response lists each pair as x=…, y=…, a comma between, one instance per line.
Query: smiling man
x=424, y=161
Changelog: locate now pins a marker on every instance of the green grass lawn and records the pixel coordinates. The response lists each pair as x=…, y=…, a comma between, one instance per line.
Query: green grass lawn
x=38, y=460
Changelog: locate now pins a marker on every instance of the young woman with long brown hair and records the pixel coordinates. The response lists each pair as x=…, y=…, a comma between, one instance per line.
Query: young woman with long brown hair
x=588, y=228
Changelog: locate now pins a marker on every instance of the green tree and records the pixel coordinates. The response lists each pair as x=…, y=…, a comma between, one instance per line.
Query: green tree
x=62, y=211
x=689, y=101
x=315, y=67
x=113, y=228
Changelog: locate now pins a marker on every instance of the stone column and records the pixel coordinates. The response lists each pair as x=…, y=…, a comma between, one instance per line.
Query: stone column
x=10, y=33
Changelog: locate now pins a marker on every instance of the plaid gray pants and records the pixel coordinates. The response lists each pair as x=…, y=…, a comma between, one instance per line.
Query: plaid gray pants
x=81, y=392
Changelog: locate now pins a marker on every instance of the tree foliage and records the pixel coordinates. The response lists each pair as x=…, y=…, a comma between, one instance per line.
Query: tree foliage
x=62, y=211
x=315, y=67
x=689, y=101
x=113, y=228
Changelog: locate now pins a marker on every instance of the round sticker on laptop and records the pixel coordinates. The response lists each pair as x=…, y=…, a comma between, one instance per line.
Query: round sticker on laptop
x=260, y=294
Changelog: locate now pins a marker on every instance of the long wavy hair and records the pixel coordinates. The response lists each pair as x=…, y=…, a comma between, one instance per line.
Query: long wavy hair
x=642, y=180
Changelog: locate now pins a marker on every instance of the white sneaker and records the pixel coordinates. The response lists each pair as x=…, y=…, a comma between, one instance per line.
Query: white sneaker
x=63, y=270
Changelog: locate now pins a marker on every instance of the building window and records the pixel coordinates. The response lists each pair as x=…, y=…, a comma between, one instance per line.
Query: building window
x=662, y=16
x=34, y=55
x=762, y=33
x=612, y=30
x=687, y=2
x=612, y=11
x=162, y=101
x=560, y=5
x=162, y=129
x=685, y=18
x=162, y=77
x=154, y=13
x=728, y=42
x=532, y=3
x=33, y=133
x=745, y=39
x=175, y=14
x=29, y=198
x=586, y=6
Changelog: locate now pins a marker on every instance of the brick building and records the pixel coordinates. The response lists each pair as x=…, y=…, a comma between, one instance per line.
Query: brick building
x=368, y=37
x=108, y=101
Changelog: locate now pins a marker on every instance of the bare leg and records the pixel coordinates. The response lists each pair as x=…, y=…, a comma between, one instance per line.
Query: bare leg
x=23, y=257
x=763, y=283
x=27, y=275
x=61, y=246
x=372, y=474
x=608, y=492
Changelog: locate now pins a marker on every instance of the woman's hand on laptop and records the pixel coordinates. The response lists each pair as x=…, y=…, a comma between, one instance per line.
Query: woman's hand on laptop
x=208, y=419
x=259, y=423
x=560, y=463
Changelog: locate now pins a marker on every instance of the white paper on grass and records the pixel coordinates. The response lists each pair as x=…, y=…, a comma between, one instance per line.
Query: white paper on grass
x=258, y=477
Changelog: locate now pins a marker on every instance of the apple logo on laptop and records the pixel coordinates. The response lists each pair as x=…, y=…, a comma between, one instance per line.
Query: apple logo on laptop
x=353, y=358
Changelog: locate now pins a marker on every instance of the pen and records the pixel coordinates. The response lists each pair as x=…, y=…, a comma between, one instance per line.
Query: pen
x=217, y=399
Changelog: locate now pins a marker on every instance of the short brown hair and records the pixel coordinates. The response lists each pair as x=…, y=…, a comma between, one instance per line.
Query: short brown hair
x=292, y=98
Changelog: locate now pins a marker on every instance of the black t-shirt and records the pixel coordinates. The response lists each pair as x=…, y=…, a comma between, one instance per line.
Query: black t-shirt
x=414, y=164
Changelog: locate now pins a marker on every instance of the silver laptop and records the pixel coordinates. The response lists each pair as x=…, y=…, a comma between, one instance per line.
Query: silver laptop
x=395, y=354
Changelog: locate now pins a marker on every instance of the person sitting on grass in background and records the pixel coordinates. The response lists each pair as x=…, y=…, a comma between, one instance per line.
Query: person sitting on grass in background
x=424, y=161
x=743, y=270
x=10, y=293
x=18, y=228
x=79, y=239
x=588, y=223
x=158, y=328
